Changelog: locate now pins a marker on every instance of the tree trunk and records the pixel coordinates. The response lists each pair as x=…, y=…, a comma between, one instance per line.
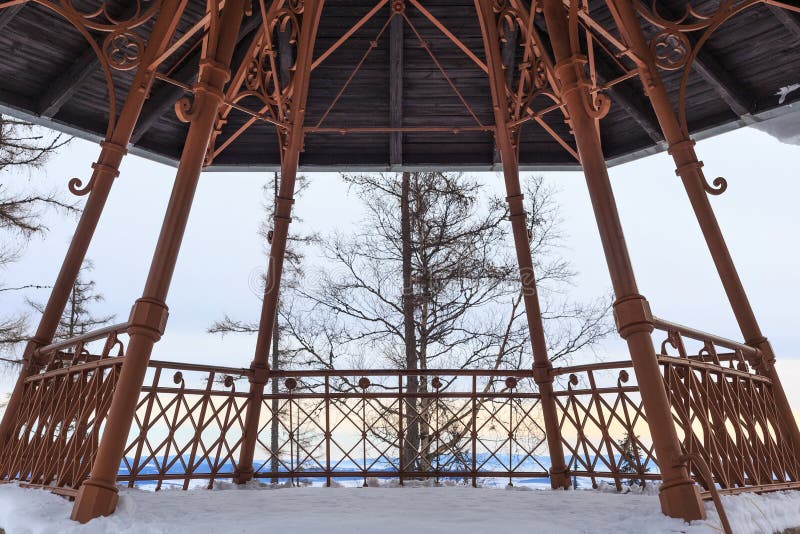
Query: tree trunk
x=412, y=419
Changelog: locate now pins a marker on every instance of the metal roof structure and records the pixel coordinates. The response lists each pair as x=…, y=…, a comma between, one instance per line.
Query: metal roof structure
x=407, y=95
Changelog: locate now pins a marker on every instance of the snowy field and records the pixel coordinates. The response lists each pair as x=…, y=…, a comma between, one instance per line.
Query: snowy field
x=443, y=510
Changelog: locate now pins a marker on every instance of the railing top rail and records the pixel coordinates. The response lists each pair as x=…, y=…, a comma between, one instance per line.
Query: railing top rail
x=77, y=368
x=699, y=335
x=281, y=373
x=597, y=366
x=84, y=338
x=710, y=366
x=321, y=373
x=180, y=366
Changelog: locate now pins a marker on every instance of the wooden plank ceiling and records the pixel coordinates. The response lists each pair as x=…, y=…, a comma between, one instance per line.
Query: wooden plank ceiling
x=49, y=74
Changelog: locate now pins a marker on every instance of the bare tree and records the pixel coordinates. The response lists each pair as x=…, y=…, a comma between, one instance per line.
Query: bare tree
x=293, y=273
x=430, y=280
x=23, y=148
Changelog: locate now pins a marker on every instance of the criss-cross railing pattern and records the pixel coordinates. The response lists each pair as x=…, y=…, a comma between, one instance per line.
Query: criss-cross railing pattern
x=188, y=426
x=603, y=424
x=62, y=410
x=725, y=412
x=364, y=424
x=322, y=425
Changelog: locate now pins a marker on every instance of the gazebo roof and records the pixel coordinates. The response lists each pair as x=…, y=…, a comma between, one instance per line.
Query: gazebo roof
x=49, y=74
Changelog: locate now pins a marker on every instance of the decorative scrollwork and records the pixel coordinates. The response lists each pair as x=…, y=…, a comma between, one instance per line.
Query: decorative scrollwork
x=717, y=187
x=690, y=20
x=184, y=109
x=76, y=187
x=573, y=381
x=99, y=16
x=671, y=49
x=177, y=378
x=123, y=49
x=622, y=378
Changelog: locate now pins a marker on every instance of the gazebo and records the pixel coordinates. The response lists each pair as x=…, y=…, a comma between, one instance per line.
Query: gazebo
x=398, y=85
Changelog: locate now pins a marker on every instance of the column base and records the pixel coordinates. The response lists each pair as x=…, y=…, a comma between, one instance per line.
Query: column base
x=560, y=480
x=94, y=499
x=682, y=500
x=243, y=475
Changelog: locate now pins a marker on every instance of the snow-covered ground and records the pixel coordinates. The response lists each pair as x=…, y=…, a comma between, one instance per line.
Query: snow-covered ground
x=449, y=509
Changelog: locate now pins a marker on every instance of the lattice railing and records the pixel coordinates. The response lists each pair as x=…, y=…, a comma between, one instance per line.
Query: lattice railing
x=187, y=426
x=62, y=409
x=603, y=425
x=725, y=412
x=431, y=424
x=362, y=424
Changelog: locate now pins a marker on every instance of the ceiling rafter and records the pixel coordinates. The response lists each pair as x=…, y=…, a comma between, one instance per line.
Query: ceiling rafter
x=396, y=43
x=790, y=20
x=64, y=87
x=8, y=14
x=163, y=100
x=61, y=90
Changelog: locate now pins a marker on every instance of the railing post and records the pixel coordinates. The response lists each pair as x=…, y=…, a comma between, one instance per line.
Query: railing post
x=690, y=169
x=105, y=170
x=283, y=212
x=98, y=495
x=542, y=367
x=679, y=495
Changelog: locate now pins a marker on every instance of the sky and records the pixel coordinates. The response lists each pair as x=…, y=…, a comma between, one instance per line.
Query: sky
x=222, y=253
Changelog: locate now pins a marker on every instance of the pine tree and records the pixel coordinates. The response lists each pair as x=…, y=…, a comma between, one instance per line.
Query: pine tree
x=23, y=148
x=632, y=460
x=78, y=318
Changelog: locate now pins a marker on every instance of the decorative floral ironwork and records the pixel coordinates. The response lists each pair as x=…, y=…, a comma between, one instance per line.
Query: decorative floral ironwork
x=670, y=49
x=123, y=49
x=101, y=16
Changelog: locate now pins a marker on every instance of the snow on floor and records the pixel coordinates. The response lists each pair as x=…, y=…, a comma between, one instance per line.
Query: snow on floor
x=388, y=510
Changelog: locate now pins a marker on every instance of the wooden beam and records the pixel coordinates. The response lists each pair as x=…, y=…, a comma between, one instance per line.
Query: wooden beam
x=60, y=90
x=163, y=100
x=790, y=20
x=8, y=14
x=396, y=29
x=64, y=87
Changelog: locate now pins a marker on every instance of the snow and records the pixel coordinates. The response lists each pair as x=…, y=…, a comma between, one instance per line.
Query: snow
x=386, y=509
x=784, y=127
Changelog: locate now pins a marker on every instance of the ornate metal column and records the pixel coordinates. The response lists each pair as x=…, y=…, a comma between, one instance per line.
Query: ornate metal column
x=293, y=145
x=678, y=493
x=105, y=170
x=559, y=475
x=690, y=170
x=98, y=495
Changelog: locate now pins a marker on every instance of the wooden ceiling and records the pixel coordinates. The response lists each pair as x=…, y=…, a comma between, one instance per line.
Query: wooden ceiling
x=49, y=74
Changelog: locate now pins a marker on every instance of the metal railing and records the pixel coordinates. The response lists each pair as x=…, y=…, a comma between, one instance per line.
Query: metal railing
x=318, y=426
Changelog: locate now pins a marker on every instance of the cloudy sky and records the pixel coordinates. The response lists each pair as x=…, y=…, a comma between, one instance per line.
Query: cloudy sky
x=759, y=215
